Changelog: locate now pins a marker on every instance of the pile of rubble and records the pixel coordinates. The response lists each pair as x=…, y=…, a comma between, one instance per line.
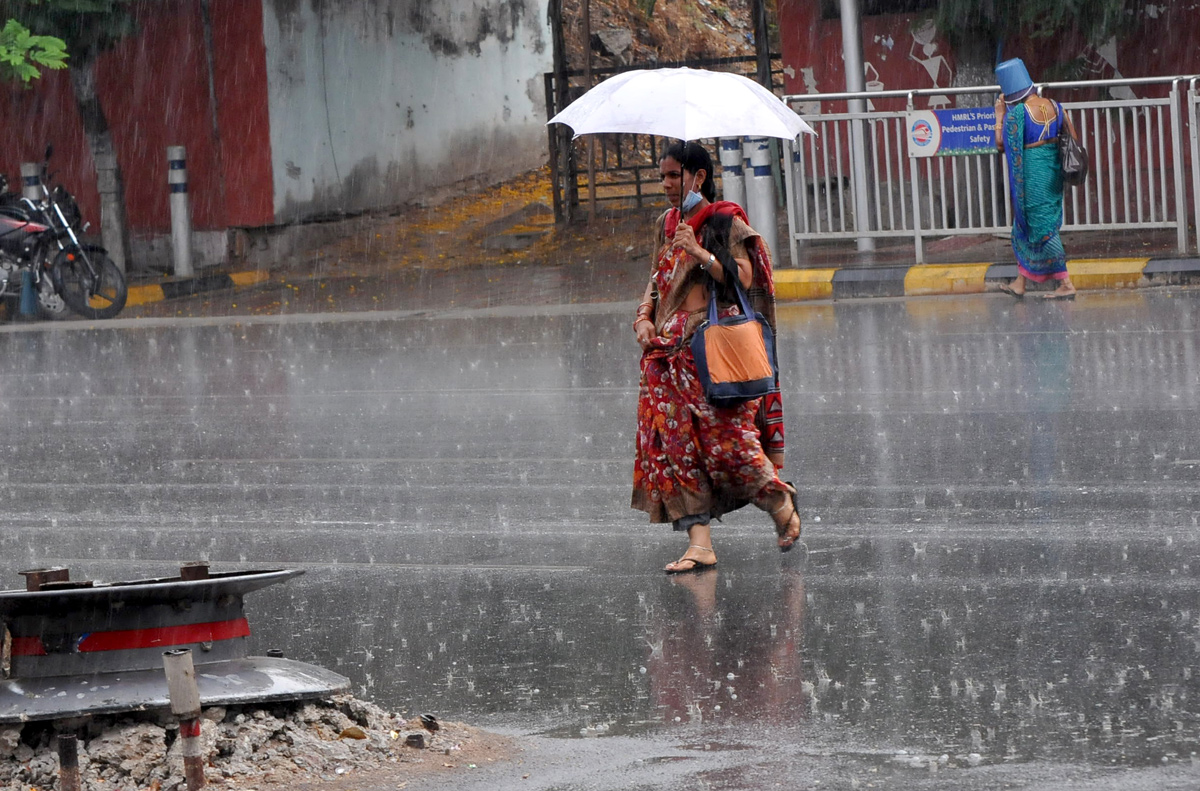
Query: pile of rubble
x=274, y=743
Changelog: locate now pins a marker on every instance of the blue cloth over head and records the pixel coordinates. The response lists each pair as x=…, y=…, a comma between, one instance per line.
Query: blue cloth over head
x=1013, y=77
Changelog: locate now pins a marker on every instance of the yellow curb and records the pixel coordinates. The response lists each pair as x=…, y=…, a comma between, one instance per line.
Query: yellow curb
x=251, y=278
x=945, y=279
x=144, y=295
x=1106, y=272
x=804, y=283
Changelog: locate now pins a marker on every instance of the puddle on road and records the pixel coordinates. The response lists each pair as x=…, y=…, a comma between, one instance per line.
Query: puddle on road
x=1012, y=648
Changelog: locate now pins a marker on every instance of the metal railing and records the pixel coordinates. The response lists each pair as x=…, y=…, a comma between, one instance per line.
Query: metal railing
x=1193, y=102
x=1136, y=148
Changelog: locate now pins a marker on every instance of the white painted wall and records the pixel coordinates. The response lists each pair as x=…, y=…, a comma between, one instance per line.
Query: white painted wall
x=376, y=102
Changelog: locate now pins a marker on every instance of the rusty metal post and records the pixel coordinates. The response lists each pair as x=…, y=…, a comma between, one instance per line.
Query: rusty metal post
x=185, y=704
x=68, y=760
x=195, y=570
x=36, y=578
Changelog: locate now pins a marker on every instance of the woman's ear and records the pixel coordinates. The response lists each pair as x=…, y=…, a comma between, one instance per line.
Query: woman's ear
x=701, y=177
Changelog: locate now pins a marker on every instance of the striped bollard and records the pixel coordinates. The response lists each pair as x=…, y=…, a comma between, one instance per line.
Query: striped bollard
x=31, y=181
x=181, y=218
x=733, y=187
x=760, y=191
x=185, y=704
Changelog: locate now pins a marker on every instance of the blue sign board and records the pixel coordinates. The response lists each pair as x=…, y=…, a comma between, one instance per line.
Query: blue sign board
x=948, y=133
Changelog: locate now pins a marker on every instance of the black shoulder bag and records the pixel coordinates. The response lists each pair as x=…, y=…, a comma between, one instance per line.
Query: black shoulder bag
x=1072, y=156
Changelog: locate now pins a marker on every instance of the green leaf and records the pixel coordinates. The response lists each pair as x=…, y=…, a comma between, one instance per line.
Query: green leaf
x=21, y=52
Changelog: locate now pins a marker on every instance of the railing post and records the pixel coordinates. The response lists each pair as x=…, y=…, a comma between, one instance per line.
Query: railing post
x=1177, y=152
x=181, y=218
x=1194, y=133
x=915, y=183
x=791, y=200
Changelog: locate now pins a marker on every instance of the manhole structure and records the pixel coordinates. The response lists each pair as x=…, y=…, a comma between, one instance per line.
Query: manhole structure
x=74, y=649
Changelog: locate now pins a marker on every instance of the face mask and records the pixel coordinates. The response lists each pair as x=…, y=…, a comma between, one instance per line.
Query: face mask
x=691, y=201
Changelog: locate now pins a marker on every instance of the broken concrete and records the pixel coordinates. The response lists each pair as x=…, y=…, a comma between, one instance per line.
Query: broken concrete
x=281, y=743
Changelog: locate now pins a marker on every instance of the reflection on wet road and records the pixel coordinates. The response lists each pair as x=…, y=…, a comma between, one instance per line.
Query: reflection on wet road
x=1004, y=563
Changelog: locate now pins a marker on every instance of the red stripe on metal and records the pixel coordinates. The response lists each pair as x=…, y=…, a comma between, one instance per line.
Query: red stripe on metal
x=28, y=646
x=164, y=636
x=190, y=729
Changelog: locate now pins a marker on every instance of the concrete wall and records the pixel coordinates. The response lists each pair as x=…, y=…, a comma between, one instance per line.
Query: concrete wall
x=374, y=102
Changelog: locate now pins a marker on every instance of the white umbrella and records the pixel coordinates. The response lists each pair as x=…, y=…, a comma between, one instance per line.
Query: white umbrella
x=686, y=104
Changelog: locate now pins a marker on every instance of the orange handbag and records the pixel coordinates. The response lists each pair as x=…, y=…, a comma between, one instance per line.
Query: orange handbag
x=735, y=355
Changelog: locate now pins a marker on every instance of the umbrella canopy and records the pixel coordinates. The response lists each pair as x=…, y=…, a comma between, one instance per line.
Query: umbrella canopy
x=686, y=104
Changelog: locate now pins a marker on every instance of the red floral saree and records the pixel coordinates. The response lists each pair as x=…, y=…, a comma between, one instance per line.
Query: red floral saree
x=693, y=458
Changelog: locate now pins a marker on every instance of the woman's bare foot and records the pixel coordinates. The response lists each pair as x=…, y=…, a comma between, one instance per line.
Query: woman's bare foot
x=696, y=558
x=787, y=519
x=1065, y=291
x=1015, y=287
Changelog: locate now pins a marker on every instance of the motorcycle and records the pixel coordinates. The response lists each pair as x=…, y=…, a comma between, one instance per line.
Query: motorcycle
x=39, y=236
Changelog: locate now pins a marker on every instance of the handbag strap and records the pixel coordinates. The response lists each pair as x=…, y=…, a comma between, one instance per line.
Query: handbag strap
x=731, y=275
x=1066, y=130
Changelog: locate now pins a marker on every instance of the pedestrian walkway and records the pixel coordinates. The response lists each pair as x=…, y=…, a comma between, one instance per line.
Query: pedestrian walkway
x=500, y=246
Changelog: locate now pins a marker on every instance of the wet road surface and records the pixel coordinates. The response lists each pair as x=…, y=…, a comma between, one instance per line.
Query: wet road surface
x=1001, y=530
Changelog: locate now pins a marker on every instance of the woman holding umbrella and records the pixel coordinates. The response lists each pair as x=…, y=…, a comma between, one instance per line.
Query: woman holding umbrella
x=696, y=462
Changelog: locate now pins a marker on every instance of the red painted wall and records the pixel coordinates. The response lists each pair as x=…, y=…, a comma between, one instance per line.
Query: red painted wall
x=894, y=58
x=155, y=91
x=1163, y=43
x=240, y=75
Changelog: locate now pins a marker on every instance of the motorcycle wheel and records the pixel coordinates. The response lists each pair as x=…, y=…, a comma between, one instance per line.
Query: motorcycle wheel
x=92, y=300
x=50, y=304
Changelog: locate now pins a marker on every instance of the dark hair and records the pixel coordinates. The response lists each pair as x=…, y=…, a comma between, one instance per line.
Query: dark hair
x=694, y=157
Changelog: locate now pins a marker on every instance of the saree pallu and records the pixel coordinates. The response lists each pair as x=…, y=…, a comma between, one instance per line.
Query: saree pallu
x=692, y=457
x=1036, y=189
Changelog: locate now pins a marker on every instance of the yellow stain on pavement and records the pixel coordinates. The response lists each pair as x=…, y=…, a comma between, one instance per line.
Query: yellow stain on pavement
x=144, y=295
x=1106, y=272
x=804, y=283
x=927, y=279
x=251, y=278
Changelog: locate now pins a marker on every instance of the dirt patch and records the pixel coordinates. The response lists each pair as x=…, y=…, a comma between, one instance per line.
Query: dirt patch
x=662, y=30
x=509, y=223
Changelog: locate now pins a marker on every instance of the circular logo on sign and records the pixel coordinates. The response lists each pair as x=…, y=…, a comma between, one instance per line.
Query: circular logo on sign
x=922, y=133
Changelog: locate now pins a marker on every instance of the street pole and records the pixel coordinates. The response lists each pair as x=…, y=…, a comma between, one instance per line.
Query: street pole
x=856, y=83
